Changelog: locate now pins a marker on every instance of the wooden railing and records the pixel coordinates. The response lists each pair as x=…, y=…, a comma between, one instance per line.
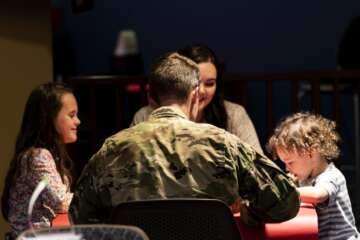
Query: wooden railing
x=315, y=81
x=106, y=95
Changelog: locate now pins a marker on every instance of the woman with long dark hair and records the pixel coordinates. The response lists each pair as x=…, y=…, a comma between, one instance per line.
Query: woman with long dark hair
x=49, y=122
x=213, y=108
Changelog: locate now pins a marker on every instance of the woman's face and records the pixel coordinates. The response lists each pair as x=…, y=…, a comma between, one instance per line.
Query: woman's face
x=207, y=89
x=66, y=121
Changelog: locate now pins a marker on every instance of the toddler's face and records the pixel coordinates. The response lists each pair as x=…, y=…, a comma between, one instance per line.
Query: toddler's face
x=298, y=164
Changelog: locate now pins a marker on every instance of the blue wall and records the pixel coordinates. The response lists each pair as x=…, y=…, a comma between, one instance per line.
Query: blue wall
x=250, y=35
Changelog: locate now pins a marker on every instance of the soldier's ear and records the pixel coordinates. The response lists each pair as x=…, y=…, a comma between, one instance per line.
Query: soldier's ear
x=195, y=93
x=194, y=104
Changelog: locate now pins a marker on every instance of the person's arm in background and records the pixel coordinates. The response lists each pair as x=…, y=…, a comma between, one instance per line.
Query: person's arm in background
x=268, y=194
x=56, y=195
x=240, y=124
x=141, y=115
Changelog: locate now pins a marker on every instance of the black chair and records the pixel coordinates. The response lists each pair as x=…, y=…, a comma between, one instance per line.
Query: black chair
x=179, y=219
x=86, y=232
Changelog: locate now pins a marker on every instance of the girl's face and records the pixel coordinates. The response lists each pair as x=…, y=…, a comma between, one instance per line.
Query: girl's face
x=207, y=89
x=66, y=121
x=300, y=165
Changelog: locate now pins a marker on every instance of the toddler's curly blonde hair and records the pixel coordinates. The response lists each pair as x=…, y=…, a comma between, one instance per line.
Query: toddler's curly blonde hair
x=303, y=132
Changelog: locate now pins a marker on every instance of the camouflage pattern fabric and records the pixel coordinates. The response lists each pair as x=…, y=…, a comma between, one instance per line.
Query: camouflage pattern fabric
x=169, y=156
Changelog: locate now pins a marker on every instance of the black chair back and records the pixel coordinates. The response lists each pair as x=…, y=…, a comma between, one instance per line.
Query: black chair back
x=179, y=219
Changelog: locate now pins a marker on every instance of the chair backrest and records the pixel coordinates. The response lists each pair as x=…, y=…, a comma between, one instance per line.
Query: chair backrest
x=179, y=219
x=87, y=232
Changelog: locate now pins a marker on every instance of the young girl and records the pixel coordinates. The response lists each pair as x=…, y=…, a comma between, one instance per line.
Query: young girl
x=49, y=122
x=308, y=144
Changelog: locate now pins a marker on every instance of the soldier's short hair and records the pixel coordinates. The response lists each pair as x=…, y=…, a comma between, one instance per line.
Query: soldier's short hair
x=173, y=77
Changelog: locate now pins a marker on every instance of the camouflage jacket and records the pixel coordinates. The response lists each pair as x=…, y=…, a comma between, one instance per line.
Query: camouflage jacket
x=169, y=156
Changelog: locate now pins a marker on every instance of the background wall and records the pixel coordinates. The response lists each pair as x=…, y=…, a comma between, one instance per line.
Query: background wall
x=250, y=35
x=25, y=61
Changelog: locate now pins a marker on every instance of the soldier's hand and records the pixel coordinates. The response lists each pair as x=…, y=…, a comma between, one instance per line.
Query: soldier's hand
x=235, y=207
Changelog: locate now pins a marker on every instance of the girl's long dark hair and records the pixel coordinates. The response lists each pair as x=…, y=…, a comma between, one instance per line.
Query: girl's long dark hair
x=38, y=131
x=214, y=113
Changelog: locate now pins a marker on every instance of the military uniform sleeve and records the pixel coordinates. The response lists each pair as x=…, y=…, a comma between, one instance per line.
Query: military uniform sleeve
x=268, y=194
x=85, y=207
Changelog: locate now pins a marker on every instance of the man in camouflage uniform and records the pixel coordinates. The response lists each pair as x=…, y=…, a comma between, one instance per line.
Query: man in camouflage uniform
x=170, y=156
